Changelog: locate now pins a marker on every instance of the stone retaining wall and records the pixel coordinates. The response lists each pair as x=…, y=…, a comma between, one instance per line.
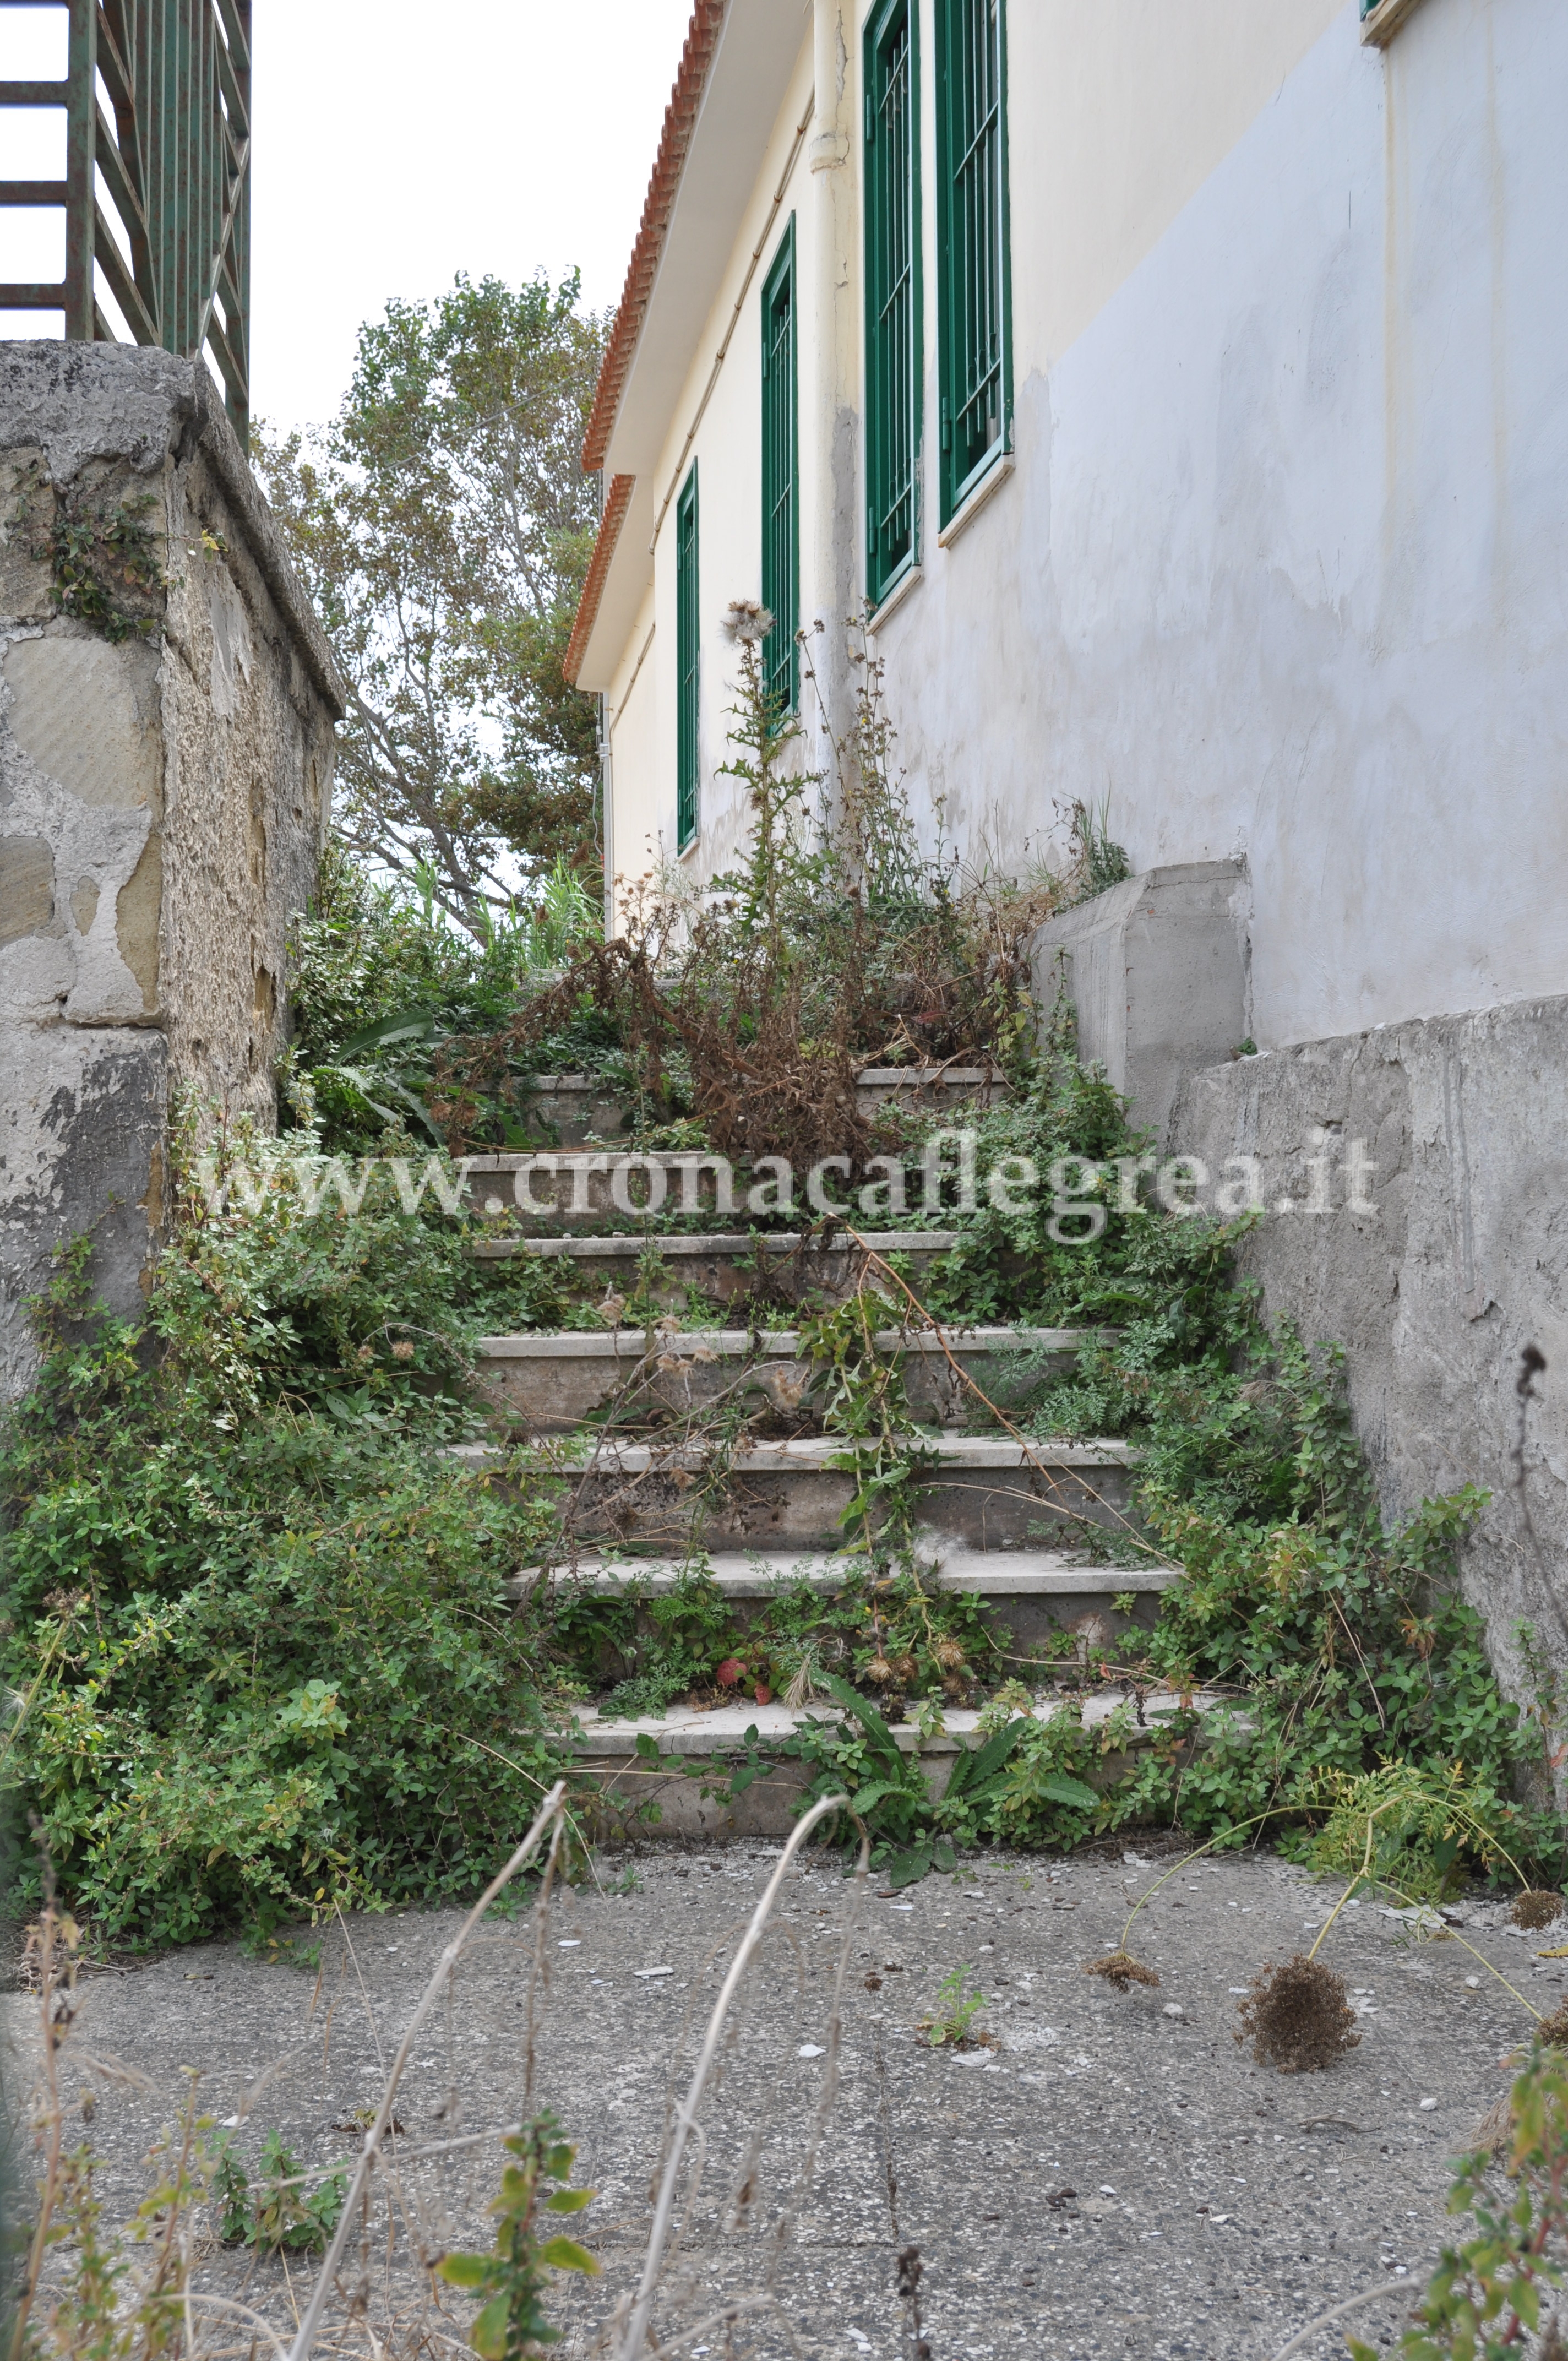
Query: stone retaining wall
x=1436, y=1292
x=165, y=781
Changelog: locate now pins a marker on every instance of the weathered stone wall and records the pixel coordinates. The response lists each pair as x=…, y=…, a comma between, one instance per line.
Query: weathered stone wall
x=1438, y=1291
x=165, y=779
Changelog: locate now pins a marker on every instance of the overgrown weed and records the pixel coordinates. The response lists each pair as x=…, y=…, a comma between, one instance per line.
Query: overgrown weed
x=254, y=1608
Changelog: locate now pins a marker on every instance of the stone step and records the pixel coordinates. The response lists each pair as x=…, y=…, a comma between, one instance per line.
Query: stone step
x=565, y=1110
x=986, y=1492
x=571, y=1110
x=1031, y=1594
x=728, y=1263
x=722, y=1730
x=632, y=1189
x=550, y=1383
x=603, y=1185
x=669, y=1782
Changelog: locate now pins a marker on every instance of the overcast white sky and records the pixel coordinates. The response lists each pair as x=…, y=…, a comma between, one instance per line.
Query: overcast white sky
x=398, y=143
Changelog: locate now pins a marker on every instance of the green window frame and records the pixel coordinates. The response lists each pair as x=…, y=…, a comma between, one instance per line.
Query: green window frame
x=781, y=478
x=975, y=329
x=689, y=662
x=895, y=362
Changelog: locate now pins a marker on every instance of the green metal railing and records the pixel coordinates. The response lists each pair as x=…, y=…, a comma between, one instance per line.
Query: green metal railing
x=174, y=166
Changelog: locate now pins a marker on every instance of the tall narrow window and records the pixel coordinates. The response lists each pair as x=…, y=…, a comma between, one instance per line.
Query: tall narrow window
x=892, y=295
x=688, y=655
x=781, y=507
x=975, y=328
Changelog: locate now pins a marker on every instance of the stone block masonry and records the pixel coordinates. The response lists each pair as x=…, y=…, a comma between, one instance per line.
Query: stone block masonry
x=167, y=707
x=1452, y=1268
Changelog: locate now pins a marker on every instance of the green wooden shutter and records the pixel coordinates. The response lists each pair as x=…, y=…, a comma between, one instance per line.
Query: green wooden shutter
x=974, y=328
x=892, y=295
x=781, y=469
x=688, y=650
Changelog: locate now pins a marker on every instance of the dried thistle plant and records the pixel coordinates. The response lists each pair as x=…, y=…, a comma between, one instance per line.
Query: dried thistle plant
x=1297, y=2016
x=1120, y=1968
x=1554, y=2029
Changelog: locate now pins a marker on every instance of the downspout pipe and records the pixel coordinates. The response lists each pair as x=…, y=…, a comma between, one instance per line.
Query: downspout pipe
x=835, y=415
x=606, y=814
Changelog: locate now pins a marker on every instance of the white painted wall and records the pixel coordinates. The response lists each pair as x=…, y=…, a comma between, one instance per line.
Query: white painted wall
x=1280, y=569
x=727, y=449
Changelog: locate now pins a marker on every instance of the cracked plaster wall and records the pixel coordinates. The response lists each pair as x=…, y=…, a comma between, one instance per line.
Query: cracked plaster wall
x=162, y=805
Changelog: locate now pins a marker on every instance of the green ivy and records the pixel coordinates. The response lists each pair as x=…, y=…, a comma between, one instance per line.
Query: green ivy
x=95, y=557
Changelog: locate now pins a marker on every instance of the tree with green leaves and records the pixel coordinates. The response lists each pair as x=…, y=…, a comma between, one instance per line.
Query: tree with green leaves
x=443, y=525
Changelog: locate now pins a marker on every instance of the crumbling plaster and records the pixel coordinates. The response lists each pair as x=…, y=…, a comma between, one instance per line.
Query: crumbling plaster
x=162, y=805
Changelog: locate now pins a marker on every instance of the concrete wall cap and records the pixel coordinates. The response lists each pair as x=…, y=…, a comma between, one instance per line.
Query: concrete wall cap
x=78, y=402
x=1117, y=901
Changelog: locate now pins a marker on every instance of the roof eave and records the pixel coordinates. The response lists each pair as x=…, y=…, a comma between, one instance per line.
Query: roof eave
x=735, y=75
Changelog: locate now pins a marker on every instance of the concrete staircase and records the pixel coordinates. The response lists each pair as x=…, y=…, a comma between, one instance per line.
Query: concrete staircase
x=665, y=1438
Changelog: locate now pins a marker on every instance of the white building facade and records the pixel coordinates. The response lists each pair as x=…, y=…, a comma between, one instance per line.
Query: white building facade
x=1184, y=389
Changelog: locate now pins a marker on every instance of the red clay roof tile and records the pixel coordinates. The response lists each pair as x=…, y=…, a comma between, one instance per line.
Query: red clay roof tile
x=680, y=116
x=617, y=501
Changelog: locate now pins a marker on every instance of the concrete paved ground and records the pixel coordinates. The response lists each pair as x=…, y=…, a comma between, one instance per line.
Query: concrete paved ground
x=1110, y=2181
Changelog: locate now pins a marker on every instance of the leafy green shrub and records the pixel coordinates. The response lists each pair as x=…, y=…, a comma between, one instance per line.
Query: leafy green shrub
x=379, y=982
x=953, y=2012
x=255, y=1607
x=1494, y=2291
x=1409, y=1826
x=1346, y=1643
x=277, y=2211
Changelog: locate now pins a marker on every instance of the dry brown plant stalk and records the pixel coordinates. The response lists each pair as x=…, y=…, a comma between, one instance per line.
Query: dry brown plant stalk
x=1305, y=2336
x=633, y=2340
x=549, y=1817
x=341, y=2314
x=145, y=2293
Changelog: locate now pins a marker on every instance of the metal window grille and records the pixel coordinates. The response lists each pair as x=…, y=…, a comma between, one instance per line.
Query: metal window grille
x=688, y=653
x=781, y=517
x=175, y=170
x=975, y=360
x=892, y=295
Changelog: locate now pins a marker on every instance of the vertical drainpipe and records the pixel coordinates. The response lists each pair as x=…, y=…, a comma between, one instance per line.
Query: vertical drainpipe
x=606, y=814
x=833, y=423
